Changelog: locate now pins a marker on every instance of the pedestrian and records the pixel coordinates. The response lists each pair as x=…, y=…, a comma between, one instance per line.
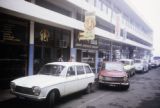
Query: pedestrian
x=60, y=59
x=71, y=59
x=104, y=59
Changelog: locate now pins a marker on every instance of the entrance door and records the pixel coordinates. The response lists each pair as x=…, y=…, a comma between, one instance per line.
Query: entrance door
x=13, y=48
x=13, y=63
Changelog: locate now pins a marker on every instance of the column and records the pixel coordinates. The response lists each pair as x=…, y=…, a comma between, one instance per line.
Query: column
x=96, y=63
x=31, y=49
x=111, y=52
x=73, y=51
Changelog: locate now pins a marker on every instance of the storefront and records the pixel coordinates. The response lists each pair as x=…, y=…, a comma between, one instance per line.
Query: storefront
x=50, y=44
x=116, y=51
x=104, y=51
x=14, y=36
x=86, y=50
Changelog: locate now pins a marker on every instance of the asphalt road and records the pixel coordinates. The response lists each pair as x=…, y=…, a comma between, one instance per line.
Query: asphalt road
x=144, y=92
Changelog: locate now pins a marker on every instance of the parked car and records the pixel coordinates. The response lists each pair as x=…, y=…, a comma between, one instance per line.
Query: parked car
x=55, y=80
x=128, y=66
x=141, y=65
x=113, y=74
x=156, y=61
x=152, y=64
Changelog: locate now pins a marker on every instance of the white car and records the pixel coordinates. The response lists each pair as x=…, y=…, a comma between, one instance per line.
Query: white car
x=141, y=65
x=128, y=66
x=55, y=80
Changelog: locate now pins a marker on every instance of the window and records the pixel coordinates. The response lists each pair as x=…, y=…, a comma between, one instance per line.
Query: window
x=51, y=6
x=80, y=70
x=90, y=2
x=104, y=8
x=88, y=70
x=71, y=71
x=98, y=4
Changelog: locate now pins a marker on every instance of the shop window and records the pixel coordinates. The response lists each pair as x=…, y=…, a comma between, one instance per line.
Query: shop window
x=85, y=54
x=50, y=44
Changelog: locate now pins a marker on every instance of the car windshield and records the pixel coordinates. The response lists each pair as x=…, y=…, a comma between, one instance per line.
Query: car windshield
x=137, y=61
x=125, y=62
x=54, y=70
x=113, y=66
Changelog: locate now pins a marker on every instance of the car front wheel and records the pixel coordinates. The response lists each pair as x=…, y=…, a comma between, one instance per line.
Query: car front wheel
x=126, y=87
x=88, y=89
x=51, y=99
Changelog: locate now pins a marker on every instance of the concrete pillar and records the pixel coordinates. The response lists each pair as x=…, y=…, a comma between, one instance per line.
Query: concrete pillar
x=111, y=52
x=31, y=49
x=73, y=51
x=96, y=62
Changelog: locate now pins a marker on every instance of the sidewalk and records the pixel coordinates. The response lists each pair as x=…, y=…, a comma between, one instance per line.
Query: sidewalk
x=5, y=95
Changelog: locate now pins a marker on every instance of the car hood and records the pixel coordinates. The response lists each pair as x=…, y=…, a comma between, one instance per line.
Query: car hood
x=138, y=64
x=113, y=73
x=38, y=80
x=127, y=67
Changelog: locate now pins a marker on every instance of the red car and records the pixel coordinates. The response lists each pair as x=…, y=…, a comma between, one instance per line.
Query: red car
x=113, y=74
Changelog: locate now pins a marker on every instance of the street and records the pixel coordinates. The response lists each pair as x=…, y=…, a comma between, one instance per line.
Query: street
x=144, y=92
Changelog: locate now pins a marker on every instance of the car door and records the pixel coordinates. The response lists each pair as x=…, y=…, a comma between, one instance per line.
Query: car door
x=81, y=77
x=71, y=80
x=145, y=65
x=89, y=74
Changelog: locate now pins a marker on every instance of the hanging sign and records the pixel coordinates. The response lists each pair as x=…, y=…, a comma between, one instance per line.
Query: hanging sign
x=44, y=35
x=118, y=25
x=89, y=25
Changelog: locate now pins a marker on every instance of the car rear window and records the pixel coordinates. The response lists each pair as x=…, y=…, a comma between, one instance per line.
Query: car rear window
x=113, y=66
x=137, y=61
x=125, y=62
x=88, y=70
x=80, y=70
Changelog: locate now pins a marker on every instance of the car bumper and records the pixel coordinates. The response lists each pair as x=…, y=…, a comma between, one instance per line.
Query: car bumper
x=29, y=97
x=138, y=69
x=114, y=83
x=153, y=65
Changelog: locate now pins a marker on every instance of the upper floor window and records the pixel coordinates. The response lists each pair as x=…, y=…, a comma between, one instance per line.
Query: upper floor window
x=98, y=4
x=104, y=8
x=90, y=2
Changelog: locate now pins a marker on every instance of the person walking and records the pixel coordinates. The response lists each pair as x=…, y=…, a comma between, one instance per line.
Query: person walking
x=71, y=59
x=60, y=59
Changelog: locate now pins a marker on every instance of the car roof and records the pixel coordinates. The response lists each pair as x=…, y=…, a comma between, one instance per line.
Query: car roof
x=67, y=63
x=139, y=59
x=114, y=62
x=126, y=60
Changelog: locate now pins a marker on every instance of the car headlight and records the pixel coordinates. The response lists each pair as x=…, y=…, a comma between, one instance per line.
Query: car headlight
x=125, y=78
x=101, y=77
x=12, y=86
x=36, y=90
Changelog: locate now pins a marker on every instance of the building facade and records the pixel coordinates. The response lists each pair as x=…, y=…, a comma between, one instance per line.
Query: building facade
x=34, y=32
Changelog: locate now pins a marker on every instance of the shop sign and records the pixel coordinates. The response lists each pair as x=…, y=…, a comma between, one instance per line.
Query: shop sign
x=85, y=44
x=89, y=25
x=118, y=25
x=44, y=35
x=12, y=30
